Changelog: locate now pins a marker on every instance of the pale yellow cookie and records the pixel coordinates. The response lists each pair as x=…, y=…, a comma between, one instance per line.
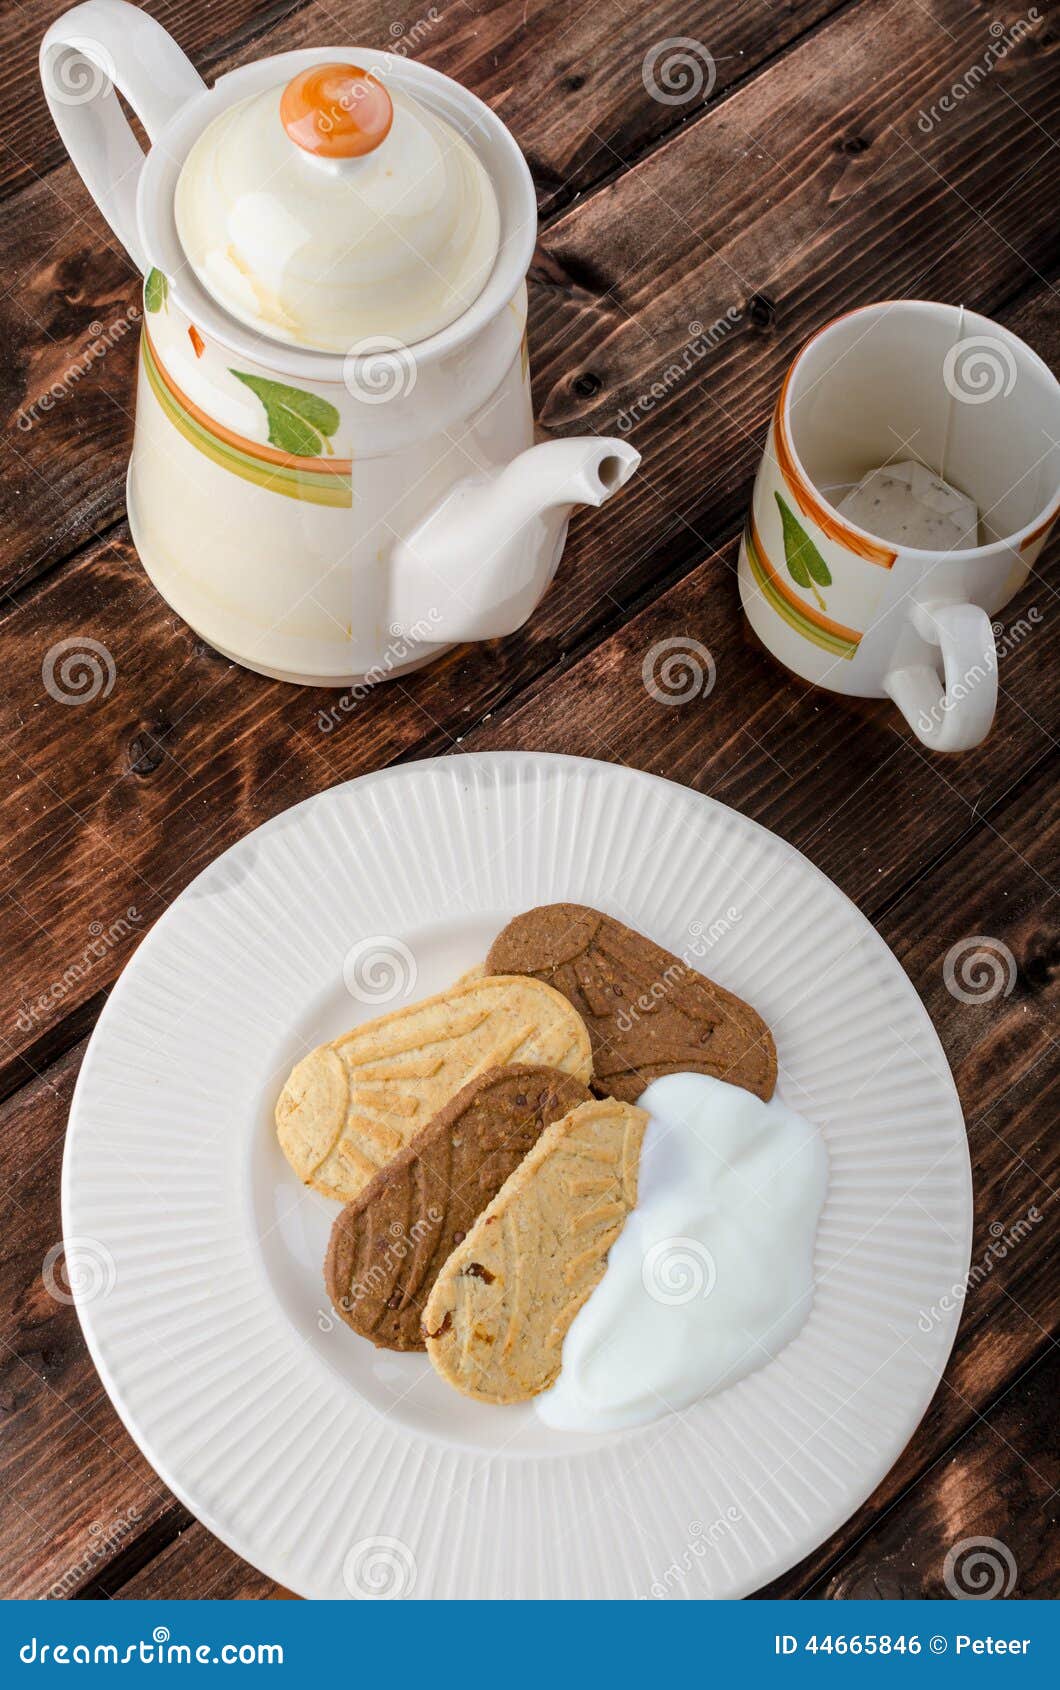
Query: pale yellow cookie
x=501, y=1306
x=351, y=1105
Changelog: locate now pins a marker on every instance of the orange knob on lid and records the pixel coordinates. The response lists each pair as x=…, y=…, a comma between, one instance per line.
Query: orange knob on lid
x=336, y=111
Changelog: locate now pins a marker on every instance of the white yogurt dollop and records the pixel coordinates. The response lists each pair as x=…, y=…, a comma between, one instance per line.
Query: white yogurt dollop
x=712, y=1273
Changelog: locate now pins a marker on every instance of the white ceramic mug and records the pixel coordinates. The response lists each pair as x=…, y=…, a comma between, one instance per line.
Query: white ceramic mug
x=908, y=379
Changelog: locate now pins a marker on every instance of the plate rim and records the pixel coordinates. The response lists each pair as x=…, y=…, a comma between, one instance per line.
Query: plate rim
x=272, y=1563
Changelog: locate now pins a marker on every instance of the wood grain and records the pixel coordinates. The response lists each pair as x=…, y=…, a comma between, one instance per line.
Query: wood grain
x=77, y=1492
x=573, y=86
x=197, y=1566
x=1000, y=1483
x=809, y=190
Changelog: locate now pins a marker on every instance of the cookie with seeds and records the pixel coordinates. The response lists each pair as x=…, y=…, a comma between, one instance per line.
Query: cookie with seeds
x=351, y=1105
x=503, y=1302
x=388, y=1246
x=647, y=1012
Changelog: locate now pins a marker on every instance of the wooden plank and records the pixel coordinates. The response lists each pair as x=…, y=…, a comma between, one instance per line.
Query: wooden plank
x=1004, y=1063
x=999, y=1482
x=570, y=80
x=187, y=753
x=76, y=1491
x=781, y=751
x=809, y=190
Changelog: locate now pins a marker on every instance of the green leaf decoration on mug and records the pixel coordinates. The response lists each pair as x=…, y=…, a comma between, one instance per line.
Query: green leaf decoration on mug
x=805, y=563
x=300, y=423
x=156, y=291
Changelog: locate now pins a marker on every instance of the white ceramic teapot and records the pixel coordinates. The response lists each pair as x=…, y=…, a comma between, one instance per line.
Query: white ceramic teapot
x=333, y=473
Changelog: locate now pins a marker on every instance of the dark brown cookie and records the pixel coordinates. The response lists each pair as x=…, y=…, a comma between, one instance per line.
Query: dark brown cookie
x=389, y=1245
x=648, y=1014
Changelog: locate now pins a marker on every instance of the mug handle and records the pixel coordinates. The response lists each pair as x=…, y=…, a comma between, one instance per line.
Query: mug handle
x=955, y=716
x=88, y=53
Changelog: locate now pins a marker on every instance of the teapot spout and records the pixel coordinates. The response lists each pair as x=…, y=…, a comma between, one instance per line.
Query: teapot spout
x=483, y=557
x=561, y=473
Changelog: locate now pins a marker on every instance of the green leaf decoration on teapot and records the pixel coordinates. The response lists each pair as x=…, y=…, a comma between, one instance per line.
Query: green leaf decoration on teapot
x=300, y=423
x=156, y=291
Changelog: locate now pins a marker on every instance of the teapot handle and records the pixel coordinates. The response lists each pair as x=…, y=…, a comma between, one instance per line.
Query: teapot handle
x=86, y=55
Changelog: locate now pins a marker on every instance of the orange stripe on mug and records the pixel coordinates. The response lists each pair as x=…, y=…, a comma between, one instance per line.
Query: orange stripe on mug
x=806, y=496
x=1041, y=530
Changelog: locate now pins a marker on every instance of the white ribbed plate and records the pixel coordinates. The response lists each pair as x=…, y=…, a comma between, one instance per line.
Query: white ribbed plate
x=339, y=1469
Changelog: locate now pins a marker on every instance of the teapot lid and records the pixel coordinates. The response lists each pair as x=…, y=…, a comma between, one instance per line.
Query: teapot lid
x=333, y=211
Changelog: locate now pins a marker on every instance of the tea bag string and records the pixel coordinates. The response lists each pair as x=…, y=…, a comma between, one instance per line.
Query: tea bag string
x=949, y=409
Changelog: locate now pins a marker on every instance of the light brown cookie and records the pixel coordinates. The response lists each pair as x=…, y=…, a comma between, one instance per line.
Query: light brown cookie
x=351, y=1105
x=501, y=1306
x=389, y=1245
x=647, y=1012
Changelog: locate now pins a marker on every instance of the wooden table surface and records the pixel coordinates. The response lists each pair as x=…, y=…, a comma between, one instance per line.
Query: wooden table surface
x=814, y=178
